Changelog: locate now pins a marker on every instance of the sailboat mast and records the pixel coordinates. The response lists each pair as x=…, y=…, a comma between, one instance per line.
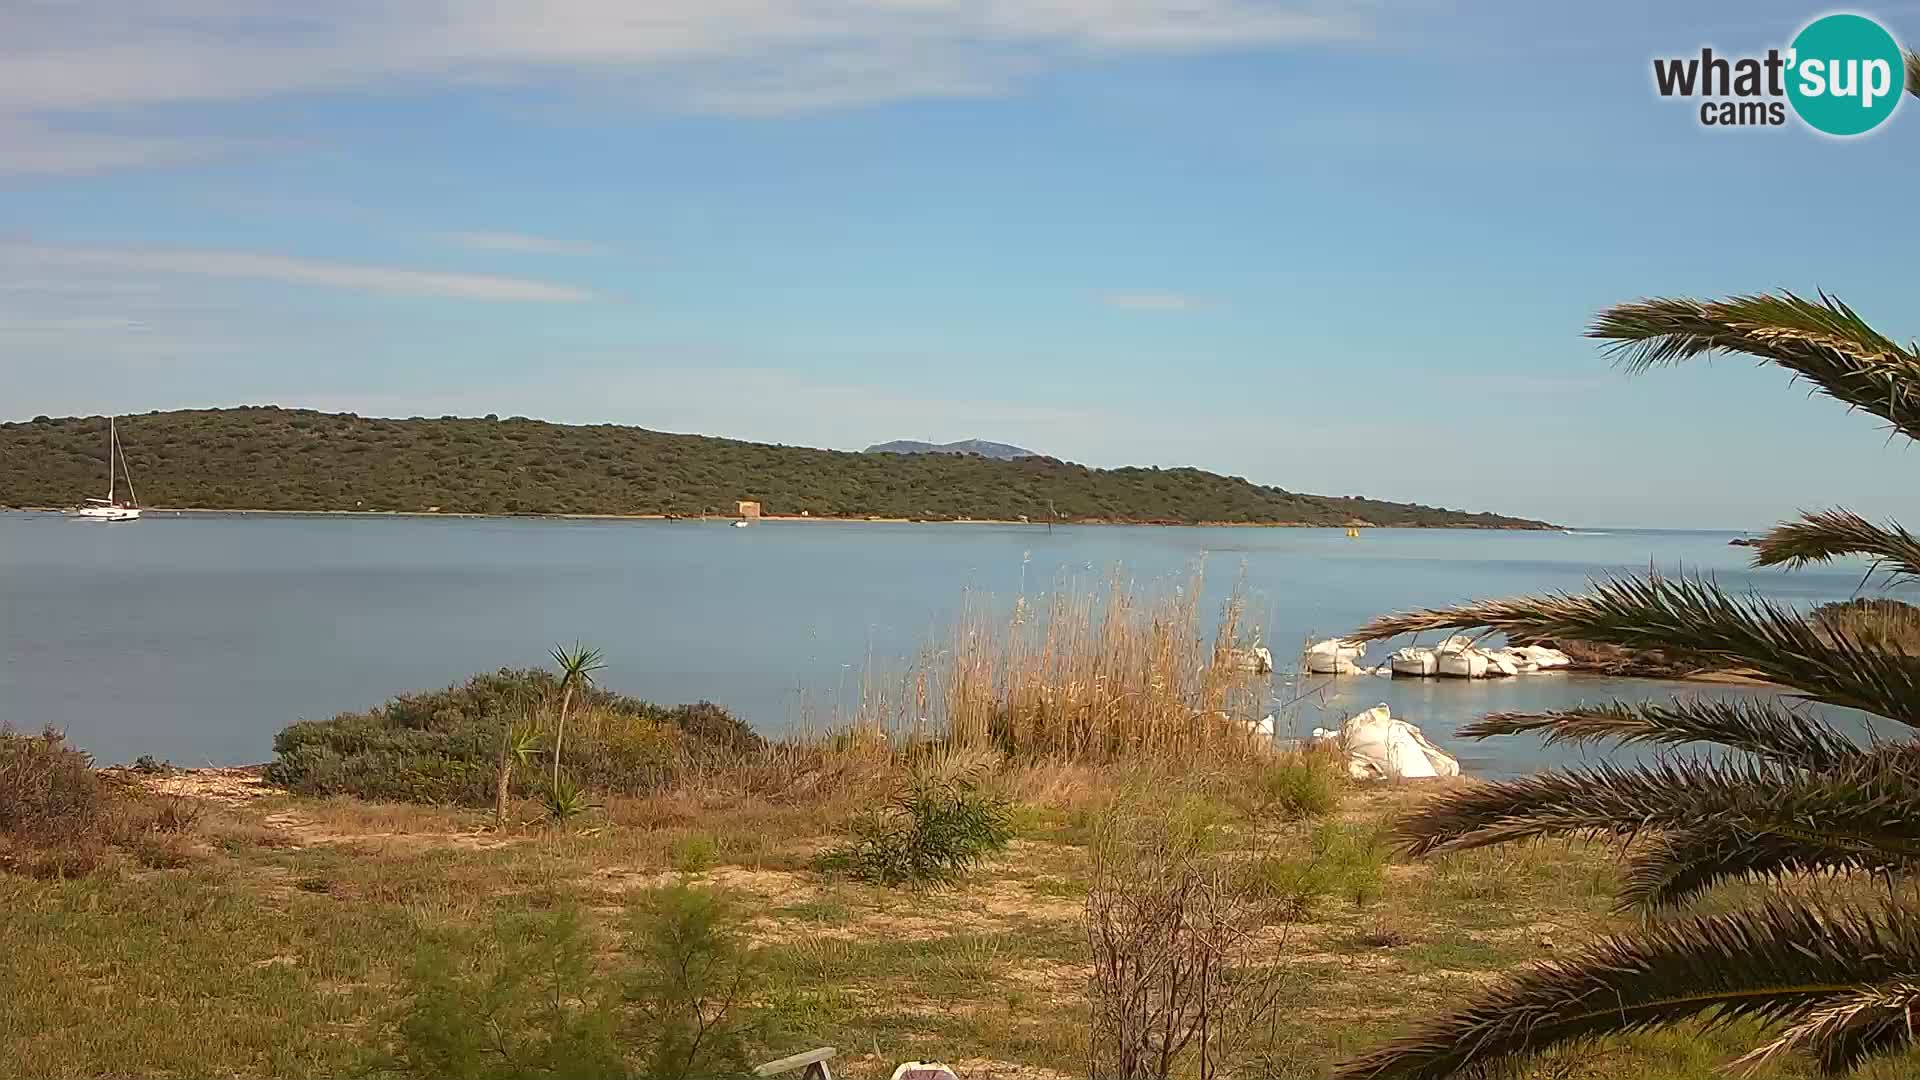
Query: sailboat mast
x=113, y=446
x=126, y=470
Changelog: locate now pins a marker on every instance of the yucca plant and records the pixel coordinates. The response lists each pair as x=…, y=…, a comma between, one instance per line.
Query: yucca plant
x=1785, y=795
x=519, y=745
x=566, y=800
x=578, y=666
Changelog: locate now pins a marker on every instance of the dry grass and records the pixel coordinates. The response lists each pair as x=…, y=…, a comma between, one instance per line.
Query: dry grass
x=1076, y=674
x=282, y=947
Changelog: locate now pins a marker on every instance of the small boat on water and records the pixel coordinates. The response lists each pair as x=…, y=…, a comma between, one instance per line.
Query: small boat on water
x=111, y=508
x=741, y=524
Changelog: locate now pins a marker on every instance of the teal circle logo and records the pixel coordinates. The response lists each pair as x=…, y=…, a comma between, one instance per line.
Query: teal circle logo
x=1845, y=74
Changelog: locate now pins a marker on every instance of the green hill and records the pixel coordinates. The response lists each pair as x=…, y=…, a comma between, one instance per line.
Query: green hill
x=270, y=458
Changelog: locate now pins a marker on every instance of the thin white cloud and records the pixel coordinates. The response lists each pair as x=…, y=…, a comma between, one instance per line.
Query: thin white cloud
x=520, y=243
x=1153, y=301
x=31, y=148
x=291, y=270
x=726, y=54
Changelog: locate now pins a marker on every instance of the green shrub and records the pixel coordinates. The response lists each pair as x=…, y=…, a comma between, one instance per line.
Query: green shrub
x=692, y=977
x=48, y=790
x=1294, y=786
x=444, y=746
x=694, y=853
x=930, y=833
x=1344, y=861
x=525, y=999
x=522, y=1001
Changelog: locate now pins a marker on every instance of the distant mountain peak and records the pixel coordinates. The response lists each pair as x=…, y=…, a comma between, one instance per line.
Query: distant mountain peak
x=982, y=447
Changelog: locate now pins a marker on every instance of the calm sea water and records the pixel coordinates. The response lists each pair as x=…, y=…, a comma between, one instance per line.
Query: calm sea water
x=194, y=638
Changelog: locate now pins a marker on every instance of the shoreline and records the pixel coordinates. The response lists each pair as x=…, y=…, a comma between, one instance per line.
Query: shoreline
x=855, y=520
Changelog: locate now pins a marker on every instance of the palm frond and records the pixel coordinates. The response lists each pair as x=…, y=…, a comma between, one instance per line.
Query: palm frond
x=1757, y=727
x=1775, y=964
x=1843, y=1035
x=1823, y=341
x=1679, y=866
x=1871, y=807
x=1913, y=73
x=1694, y=617
x=1832, y=534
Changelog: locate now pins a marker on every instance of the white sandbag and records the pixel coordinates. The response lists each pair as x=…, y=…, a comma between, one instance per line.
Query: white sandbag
x=1461, y=663
x=1379, y=747
x=1545, y=658
x=1506, y=662
x=1333, y=656
x=1413, y=662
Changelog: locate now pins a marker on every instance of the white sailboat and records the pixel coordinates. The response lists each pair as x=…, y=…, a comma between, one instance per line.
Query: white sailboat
x=111, y=508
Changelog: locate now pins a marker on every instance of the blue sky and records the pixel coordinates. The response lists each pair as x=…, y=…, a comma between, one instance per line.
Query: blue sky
x=1346, y=249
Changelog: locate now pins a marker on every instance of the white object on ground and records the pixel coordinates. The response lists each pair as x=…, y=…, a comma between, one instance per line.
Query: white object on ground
x=1257, y=660
x=1414, y=662
x=923, y=1070
x=1379, y=747
x=1461, y=663
x=1506, y=662
x=1545, y=658
x=1333, y=656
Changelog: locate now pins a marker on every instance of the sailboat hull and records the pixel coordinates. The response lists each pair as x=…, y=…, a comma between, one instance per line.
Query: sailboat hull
x=108, y=513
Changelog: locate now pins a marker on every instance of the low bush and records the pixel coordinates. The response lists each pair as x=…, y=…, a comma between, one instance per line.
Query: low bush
x=1179, y=985
x=526, y=999
x=59, y=819
x=930, y=833
x=48, y=790
x=1295, y=785
x=1341, y=861
x=445, y=746
x=694, y=853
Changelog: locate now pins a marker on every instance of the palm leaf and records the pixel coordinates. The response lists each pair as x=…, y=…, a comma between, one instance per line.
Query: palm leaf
x=1677, y=867
x=1825, y=342
x=1843, y=1035
x=1778, y=963
x=1756, y=727
x=1871, y=808
x=1913, y=73
x=1836, y=533
x=1696, y=618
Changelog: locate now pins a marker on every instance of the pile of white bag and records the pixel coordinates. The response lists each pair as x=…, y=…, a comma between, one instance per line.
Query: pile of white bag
x=1334, y=656
x=1458, y=657
x=1379, y=747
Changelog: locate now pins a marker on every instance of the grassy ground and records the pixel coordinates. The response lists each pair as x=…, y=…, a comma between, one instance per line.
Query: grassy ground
x=280, y=947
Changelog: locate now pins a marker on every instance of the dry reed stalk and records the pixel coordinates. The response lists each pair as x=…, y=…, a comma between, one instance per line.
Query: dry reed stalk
x=1081, y=675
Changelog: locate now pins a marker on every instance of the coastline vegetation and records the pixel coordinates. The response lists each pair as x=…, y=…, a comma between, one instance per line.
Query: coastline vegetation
x=992, y=859
x=268, y=458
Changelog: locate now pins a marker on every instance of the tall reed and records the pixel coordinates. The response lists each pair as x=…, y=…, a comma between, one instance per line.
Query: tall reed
x=1082, y=672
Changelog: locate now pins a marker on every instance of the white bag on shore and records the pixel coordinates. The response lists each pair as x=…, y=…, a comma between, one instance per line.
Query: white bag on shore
x=1378, y=747
x=1543, y=657
x=1414, y=662
x=1333, y=656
